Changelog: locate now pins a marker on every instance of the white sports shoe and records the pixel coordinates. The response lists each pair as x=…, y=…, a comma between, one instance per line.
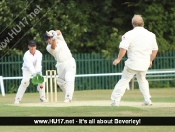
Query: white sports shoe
x=146, y=103
x=43, y=99
x=67, y=101
x=115, y=103
x=16, y=101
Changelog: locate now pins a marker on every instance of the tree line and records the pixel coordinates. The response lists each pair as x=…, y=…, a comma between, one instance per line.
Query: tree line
x=89, y=26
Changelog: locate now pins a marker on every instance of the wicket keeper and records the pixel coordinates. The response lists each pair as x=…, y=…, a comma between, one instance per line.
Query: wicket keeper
x=31, y=66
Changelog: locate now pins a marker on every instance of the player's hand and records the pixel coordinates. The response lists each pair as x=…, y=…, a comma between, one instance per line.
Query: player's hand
x=116, y=61
x=37, y=79
x=51, y=33
x=33, y=75
x=40, y=73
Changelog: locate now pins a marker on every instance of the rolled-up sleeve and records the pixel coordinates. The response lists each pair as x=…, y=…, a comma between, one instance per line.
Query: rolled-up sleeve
x=125, y=42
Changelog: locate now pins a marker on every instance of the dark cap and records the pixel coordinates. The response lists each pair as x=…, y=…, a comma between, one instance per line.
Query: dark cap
x=32, y=43
x=46, y=37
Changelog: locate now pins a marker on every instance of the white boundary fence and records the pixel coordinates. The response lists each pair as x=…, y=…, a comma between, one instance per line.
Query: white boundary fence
x=165, y=71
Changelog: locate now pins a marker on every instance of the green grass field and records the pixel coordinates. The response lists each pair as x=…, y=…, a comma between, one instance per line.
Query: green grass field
x=165, y=96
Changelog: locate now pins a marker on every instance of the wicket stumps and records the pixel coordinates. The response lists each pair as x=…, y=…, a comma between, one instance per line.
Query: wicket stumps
x=51, y=85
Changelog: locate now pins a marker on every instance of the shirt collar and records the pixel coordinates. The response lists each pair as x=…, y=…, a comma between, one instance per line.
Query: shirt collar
x=139, y=28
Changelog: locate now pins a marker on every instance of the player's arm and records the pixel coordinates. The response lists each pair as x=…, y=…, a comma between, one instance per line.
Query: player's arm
x=124, y=44
x=153, y=56
x=29, y=65
x=59, y=35
x=154, y=51
x=53, y=45
x=122, y=52
x=39, y=64
x=54, y=36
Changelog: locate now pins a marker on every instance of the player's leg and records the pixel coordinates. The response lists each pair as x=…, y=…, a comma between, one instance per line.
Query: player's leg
x=23, y=86
x=61, y=76
x=121, y=86
x=144, y=87
x=66, y=77
x=70, y=80
x=128, y=87
x=41, y=89
x=62, y=84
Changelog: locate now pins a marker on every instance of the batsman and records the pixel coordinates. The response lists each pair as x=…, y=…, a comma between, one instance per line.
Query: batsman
x=66, y=65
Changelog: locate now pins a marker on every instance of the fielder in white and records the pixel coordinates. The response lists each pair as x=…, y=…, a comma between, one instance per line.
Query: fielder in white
x=31, y=66
x=66, y=66
x=141, y=47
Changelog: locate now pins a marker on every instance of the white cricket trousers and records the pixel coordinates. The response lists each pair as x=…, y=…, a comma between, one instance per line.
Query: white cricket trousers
x=122, y=84
x=25, y=83
x=66, y=77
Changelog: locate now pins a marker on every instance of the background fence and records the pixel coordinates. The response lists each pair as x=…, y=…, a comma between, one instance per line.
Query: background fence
x=90, y=63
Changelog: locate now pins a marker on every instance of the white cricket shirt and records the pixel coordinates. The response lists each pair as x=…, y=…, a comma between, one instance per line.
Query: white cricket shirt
x=32, y=62
x=139, y=44
x=61, y=53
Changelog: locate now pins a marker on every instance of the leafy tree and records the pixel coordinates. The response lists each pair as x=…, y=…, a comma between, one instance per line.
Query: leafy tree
x=89, y=26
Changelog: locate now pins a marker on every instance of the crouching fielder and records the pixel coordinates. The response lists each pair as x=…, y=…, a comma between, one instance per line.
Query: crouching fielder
x=31, y=66
x=66, y=66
